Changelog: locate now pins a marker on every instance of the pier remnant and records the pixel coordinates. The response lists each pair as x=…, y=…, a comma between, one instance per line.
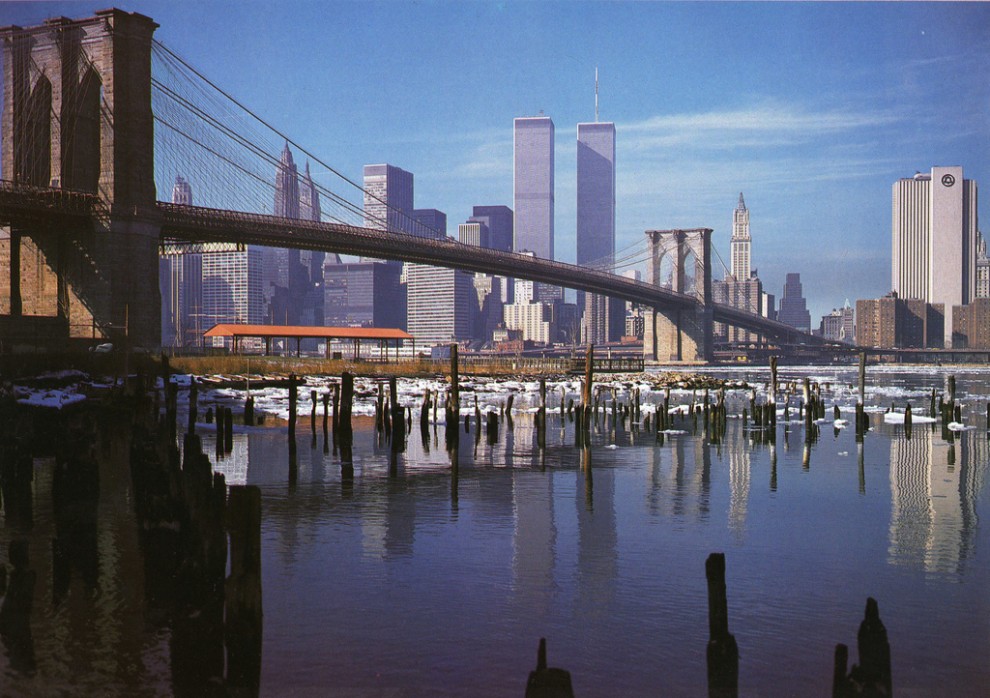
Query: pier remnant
x=548, y=682
x=723, y=654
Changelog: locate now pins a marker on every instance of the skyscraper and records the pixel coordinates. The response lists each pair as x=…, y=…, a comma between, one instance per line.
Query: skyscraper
x=604, y=319
x=232, y=288
x=180, y=283
x=934, y=235
x=279, y=264
x=793, y=311
x=498, y=220
x=741, y=287
x=430, y=223
x=388, y=198
x=439, y=310
x=741, y=241
x=533, y=190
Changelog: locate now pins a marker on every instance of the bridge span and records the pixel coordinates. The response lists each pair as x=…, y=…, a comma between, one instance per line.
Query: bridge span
x=83, y=217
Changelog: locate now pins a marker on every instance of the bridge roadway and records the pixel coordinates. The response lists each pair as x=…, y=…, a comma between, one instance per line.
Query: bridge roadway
x=204, y=225
x=33, y=206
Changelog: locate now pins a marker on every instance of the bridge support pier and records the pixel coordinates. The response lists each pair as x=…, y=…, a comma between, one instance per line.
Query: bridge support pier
x=681, y=261
x=77, y=117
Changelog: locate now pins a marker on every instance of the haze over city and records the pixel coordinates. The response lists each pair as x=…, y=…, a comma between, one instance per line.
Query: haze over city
x=812, y=110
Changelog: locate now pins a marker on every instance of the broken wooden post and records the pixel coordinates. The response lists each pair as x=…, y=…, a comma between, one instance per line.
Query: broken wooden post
x=723, y=654
x=344, y=421
x=249, y=411
x=193, y=400
x=548, y=682
x=872, y=676
x=228, y=430
x=292, y=407
x=243, y=623
x=589, y=378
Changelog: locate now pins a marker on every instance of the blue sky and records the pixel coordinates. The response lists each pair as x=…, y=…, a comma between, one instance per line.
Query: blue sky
x=812, y=110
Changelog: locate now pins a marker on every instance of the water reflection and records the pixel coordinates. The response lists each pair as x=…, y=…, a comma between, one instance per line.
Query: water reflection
x=934, y=485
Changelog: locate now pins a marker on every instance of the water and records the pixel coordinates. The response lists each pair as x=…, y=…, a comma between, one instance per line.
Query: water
x=405, y=581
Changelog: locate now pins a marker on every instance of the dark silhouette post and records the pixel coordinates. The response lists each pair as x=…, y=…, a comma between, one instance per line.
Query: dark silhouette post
x=723, y=654
x=243, y=590
x=872, y=676
x=548, y=682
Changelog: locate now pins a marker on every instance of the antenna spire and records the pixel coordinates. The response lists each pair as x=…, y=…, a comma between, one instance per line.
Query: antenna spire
x=596, y=94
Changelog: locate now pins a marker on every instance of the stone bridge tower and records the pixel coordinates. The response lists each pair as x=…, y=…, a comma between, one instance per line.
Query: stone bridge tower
x=681, y=261
x=77, y=116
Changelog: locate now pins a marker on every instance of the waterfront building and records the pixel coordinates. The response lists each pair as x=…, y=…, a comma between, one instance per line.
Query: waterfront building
x=440, y=304
x=533, y=192
x=793, y=310
x=232, y=289
x=604, y=318
x=982, y=268
x=971, y=325
x=839, y=325
x=533, y=319
x=934, y=235
x=892, y=322
x=355, y=295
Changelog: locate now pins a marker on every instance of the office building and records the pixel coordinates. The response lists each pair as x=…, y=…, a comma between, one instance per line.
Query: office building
x=741, y=288
x=388, y=198
x=498, y=220
x=892, y=322
x=488, y=306
x=604, y=318
x=429, y=223
x=793, y=310
x=982, y=269
x=292, y=279
x=180, y=284
x=839, y=325
x=363, y=294
x=533, y=192
x=473, y=233
x=533, y=319
x=934, y=235
x=232, y=289
x=741, y=242
x=971, y=325
x=440, y=304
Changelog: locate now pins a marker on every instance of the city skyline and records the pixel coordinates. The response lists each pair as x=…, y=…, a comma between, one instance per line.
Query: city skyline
x=814, y=121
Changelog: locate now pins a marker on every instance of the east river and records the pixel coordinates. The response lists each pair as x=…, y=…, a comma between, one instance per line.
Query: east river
x=406, y=581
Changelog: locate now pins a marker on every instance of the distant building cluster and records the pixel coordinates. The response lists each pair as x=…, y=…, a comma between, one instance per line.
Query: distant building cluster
x=940, y=274
x=437, y=306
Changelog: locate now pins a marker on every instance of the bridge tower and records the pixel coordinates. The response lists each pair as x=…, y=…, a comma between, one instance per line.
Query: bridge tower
x=77, y=116
x=681, y=261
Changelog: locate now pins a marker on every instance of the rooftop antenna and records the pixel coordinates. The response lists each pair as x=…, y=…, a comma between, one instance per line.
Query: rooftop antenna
x=596, y=94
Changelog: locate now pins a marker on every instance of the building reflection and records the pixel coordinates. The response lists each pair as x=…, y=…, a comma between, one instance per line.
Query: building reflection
x=680, y=478
x=933, y=485
x=737, y=445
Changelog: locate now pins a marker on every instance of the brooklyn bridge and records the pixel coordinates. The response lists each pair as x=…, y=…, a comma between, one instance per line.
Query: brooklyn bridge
x=96, y=109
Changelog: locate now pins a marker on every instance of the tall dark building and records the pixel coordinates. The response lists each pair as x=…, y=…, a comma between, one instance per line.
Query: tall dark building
x=793, y=310
x=429, y=223
x=498, y=220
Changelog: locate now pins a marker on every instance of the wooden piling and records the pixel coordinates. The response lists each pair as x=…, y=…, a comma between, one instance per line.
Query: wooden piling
x=243, y=625
x=455, y=388
x=344, y=421
x=548, y=682
x=723, y=654
x=193, y=403
x=312, y=413
x=589, y=379
x=292, y=406
x=228, y=430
